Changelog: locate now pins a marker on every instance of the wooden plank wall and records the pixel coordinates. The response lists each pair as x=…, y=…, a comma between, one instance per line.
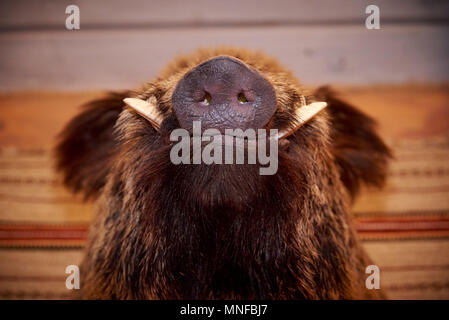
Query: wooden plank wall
x=123, y=43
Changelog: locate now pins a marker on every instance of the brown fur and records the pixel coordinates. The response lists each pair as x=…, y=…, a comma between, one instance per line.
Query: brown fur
x=222, y=231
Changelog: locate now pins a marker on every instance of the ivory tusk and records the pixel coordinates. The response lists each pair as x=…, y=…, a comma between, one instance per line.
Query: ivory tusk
x=302, y=116
x=146, y=109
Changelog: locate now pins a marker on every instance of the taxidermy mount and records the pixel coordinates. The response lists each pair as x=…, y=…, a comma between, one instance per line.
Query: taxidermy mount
x=222, y=231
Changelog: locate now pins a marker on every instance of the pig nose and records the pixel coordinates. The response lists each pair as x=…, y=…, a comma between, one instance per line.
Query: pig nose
x=224, y=93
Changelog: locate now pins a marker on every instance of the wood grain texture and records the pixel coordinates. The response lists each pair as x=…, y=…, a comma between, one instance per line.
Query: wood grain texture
x=104, y=13
x=110, y=59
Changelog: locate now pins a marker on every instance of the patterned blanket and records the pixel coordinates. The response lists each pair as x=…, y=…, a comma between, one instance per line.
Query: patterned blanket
x=404, y=227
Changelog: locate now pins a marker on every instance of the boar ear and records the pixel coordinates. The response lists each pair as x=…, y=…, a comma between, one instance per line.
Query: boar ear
x=361, y=155
x=86, y=145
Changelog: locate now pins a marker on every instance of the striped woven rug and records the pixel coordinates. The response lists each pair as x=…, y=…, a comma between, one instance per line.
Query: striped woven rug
x=404, y=228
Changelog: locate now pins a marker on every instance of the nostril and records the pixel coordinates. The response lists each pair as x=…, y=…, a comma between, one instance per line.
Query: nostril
x=242, y=98
x=224, y=92
x=206, y=99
